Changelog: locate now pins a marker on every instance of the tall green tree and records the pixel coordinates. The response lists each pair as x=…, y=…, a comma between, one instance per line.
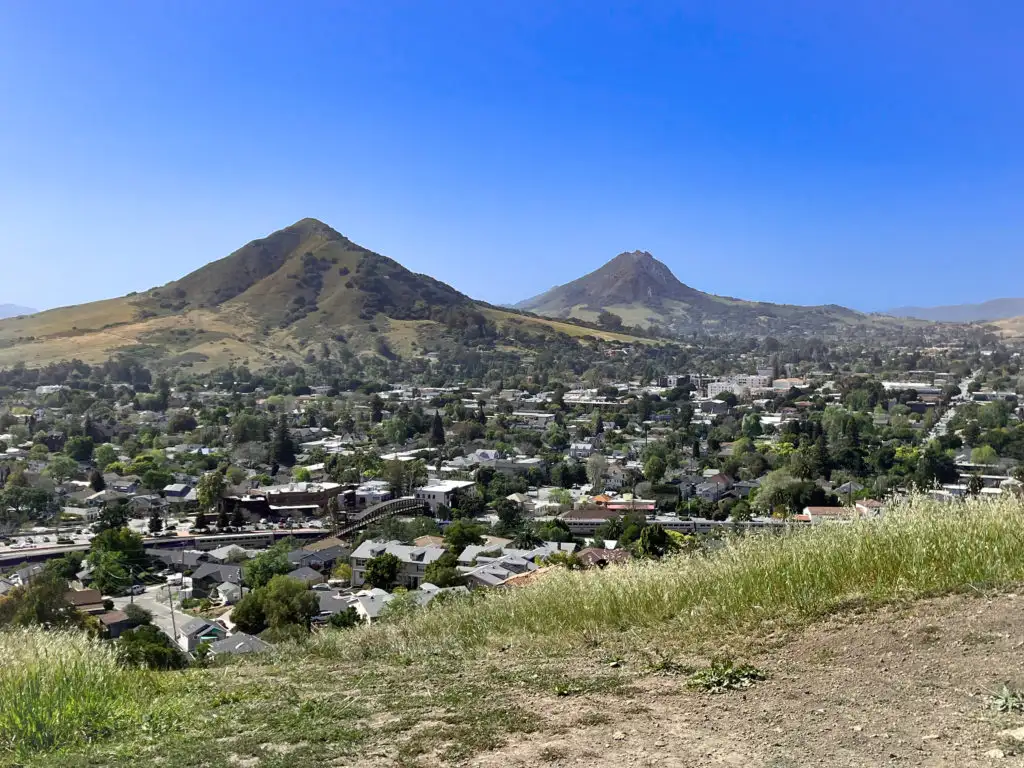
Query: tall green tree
x=382, y=571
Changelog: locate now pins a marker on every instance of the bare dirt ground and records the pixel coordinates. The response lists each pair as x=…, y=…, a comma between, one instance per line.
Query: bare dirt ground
x=899, y=686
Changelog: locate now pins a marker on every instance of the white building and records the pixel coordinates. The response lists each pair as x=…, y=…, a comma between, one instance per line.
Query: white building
x=443, y=492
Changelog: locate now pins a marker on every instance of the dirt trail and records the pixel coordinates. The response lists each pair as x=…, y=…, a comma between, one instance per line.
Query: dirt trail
x=903, y=686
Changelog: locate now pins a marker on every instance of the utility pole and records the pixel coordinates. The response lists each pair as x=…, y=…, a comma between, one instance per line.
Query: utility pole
x=170, y=600
x=131, y=586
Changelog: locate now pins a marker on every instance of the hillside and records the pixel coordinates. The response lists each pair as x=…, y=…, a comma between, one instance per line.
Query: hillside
x=1012, y=327
x=13, y=310
x=996, y=309
x=268, y=301
x=875, y=642
x=642, y=291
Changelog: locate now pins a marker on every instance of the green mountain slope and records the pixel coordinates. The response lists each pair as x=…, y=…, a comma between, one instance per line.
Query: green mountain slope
x=642, y=291
x=268, y=301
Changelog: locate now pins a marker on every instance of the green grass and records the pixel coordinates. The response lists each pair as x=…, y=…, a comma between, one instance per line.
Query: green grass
x=61, y=689
x=461, y=678
x=920, y=548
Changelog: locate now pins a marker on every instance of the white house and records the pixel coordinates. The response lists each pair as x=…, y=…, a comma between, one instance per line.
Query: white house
x=414, y=560
x=443, y=492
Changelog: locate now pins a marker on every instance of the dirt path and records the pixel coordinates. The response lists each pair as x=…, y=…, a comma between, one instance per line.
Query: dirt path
x=895, y=687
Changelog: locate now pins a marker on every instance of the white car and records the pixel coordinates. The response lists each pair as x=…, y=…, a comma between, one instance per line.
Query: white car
x=136, y=589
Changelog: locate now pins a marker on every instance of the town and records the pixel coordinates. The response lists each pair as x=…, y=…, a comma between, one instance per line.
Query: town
x=224, y=513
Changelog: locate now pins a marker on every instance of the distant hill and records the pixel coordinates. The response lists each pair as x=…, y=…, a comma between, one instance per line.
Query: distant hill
x=13, y=310
x=303, y=290
x=642, y=291
x=996, y=309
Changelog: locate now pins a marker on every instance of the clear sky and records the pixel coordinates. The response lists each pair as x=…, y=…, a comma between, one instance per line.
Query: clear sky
x=867, y=153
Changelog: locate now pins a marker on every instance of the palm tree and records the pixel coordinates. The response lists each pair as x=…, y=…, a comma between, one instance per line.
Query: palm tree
x=525, y=538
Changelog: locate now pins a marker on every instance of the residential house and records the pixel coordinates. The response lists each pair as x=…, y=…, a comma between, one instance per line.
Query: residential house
x=85, y=600
x=127, y=485
x=715, y=487
x=307, y=576
x=208, y=576
x=228, y=593
x=239, y=642
x=115, y=623
x=227, y=553
x=180, y=560
x=23, y=576
x=581, y=450
x=197, y=631
x=476, y=553
x=369, y=603
x=414, y=560
x=301, y=558
x=443, y=492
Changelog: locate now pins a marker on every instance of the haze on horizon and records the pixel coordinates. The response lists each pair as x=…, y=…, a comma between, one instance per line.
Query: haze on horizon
x=866, y=154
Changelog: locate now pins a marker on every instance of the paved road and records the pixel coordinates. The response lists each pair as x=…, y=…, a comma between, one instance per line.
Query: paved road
x=942, y=425
x=159, y=608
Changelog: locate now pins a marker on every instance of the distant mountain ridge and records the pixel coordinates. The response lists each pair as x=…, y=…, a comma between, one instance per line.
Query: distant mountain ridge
x=13, y=310
x=643, y=291
x=996, y=309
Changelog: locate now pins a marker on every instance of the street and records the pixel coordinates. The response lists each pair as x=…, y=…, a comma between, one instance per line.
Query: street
x=159, y=608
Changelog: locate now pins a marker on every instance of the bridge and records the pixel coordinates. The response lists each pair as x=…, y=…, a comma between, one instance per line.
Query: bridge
x=407, y=505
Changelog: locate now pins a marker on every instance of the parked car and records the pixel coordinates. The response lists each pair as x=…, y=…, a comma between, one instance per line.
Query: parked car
x=136, y=589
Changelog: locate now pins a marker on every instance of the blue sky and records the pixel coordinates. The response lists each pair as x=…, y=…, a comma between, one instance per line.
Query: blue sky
x=868, y=154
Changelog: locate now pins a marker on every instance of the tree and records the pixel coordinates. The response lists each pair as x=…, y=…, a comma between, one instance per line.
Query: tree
x=147, y=646
x=288, y=601
x=237, y=517
x=526, y=539
x=437, y=431
x=343, y=572
x=248, y=614
x=597, y=464
x=62, y=468
x=985, y=455
x=156, y=479
x=655, y=543
x=345, y=619
x=972, y=433
x=654, y=469
x=777, y=490
x=156, y=523
x=510, y=516
x=266, y=565
x=138, y=615
x=67, y=565
x=1018, y=473
x=209, y=489
x=223, y=521
x=112, y=516
x=301, y=475
x=201, y=523
x=96, y=481
x=461, y=534
x=282, y=449
x=103, y=456
x=79, y=448
x=42, y=601
x=382, y=571
x=109, y=572
x=974, y=485
x=443, y=572
x=752, y=425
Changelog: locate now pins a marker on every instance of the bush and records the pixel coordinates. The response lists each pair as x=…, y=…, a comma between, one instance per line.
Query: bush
x=147, y=646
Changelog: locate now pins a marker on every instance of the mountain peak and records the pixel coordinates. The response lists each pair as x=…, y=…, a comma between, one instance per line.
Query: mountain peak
x=631, y=278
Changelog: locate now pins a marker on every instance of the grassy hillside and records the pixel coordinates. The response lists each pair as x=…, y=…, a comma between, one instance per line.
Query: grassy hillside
x=266, y=302
x=443, y=685
x=643, y=292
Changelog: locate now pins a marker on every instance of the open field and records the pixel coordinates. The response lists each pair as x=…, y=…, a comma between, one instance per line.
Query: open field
x=881, y=641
